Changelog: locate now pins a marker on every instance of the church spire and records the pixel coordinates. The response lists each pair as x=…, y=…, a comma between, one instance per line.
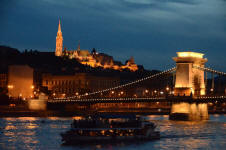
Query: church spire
x=59, y=27
x=59, y=41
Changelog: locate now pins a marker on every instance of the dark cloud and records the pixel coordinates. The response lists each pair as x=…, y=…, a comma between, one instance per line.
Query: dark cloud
x=150, y=30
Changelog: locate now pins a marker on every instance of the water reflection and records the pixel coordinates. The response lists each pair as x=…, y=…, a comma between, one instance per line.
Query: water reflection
x=210, y=134
x=19, y=130
x=189, y=111
x=10, y=127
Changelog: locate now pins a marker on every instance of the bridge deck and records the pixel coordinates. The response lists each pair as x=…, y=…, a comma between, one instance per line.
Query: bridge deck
x=148, y=99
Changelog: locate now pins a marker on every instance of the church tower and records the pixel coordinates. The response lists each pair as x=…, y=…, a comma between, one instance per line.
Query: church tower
x=59, y=42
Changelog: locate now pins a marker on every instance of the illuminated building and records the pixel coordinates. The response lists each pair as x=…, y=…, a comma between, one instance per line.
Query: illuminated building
x=130, y=64
x=59, y=42
x=70, y=85
x=189, y=79
x=93, y=59
x=20, y=81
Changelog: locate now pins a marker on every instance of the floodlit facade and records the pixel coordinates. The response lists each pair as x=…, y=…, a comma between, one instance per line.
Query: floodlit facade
x=80, y=83
x=20, y=81
x=189, y=79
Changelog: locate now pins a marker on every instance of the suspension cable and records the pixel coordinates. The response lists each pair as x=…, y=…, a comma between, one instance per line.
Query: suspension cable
x=123, y=85
x=210, y=70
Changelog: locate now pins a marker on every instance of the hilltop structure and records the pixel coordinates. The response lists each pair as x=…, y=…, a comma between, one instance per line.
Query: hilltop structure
x=93, y=59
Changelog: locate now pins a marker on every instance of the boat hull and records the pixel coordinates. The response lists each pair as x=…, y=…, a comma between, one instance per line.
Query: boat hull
x=75, y=139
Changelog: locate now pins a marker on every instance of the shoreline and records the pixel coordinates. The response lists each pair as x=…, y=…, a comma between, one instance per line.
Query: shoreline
x=81, y=113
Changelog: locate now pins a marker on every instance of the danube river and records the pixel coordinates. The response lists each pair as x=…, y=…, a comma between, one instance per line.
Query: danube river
x=44, y=133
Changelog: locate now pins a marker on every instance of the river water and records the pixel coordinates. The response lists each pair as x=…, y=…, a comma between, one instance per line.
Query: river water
x=44, y=133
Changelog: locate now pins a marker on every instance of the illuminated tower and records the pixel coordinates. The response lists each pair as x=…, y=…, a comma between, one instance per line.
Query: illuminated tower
x=59, y=42
x=189, y=79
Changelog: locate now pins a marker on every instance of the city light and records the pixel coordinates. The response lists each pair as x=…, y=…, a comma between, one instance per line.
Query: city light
x=10, y=86
x=190, y=54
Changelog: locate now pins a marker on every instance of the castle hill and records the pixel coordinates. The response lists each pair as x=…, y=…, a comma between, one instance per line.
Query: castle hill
x=112, y=74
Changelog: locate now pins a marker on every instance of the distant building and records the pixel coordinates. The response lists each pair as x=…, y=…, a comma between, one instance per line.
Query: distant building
x=80, y=83
x=93, y=59
x=20, y=81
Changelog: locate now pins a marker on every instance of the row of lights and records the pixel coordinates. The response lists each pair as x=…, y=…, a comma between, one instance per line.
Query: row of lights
x=214, y=97
x=12, y=86
x=124, y=85
x=211, y=70
x=106, y=99
x=122, y=92
x=219, y=72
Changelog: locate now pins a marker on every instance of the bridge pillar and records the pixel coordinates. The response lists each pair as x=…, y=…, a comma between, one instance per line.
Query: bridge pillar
x=189, y=79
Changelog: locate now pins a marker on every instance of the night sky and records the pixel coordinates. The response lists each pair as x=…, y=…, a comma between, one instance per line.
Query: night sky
x=150, y=30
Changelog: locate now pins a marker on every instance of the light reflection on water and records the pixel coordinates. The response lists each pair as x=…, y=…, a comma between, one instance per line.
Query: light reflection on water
x=44, y=133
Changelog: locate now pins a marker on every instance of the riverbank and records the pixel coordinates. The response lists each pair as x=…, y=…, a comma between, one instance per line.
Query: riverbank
x=50, y=113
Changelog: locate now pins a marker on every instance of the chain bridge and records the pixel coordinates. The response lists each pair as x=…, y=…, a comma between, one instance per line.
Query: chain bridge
x=189, y=80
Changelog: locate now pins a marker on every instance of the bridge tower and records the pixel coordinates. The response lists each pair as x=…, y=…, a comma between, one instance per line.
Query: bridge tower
x=189, y=79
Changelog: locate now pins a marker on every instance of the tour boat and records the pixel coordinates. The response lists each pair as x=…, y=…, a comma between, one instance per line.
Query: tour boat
x=102, y=130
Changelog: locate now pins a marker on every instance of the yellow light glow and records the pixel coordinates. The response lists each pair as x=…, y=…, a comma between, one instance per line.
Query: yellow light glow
x=77, y=118
x=190, y=54
x=10, y=86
